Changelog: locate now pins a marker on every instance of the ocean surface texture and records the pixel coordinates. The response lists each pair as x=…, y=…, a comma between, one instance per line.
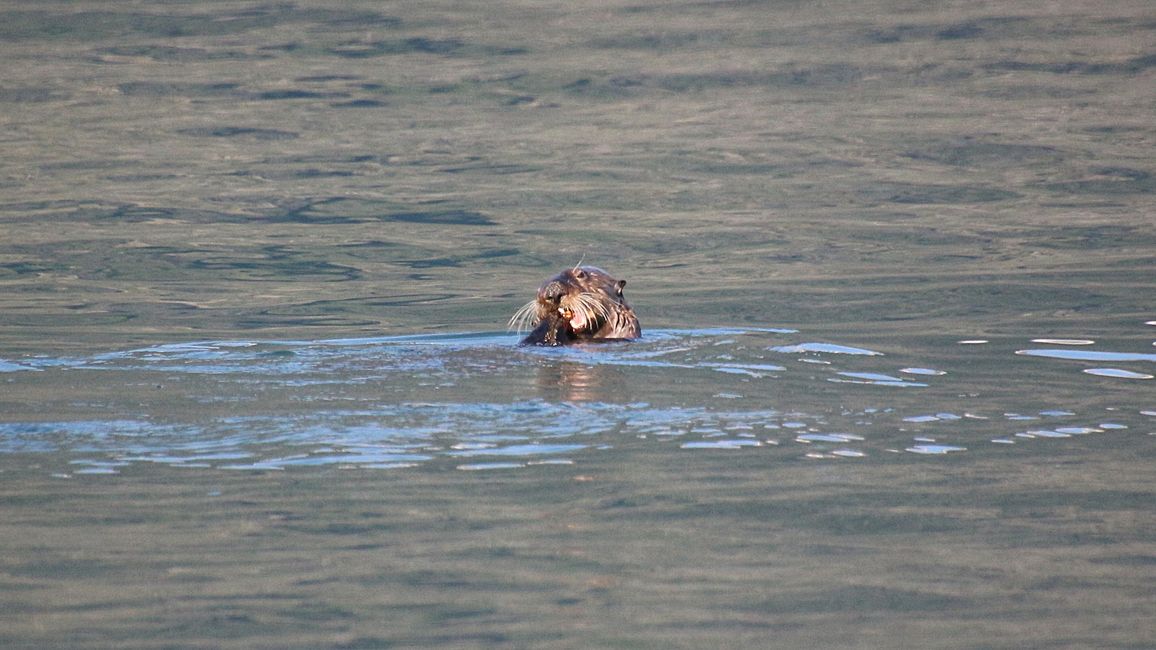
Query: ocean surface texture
x=895, y=264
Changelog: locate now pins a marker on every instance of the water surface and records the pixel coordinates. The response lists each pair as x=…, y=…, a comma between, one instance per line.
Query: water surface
x=893, y=264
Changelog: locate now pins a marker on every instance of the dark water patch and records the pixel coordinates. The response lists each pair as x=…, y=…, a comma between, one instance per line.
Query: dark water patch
x=339, y=210
x=432, y=45
x=327, y=78
x=141, y=178
x=988, y=28
x=1109, y=181
x=820, y=76
x=373, y=87
x=25, y=268
x=521, y=100
x=1045, y=504
x=324, y=173
x=273, y=262
x=864, y=600
x=1133, y=66
x=661, y=41
x=1115, y=129
x=432, y=263
x=442, y=218
x=961, y=31
x=76, y=211
x=256, y=133
x=370, y=244
x=327, y=158
x=411, y=299
x=929, y=194
x=883, y=523
x=838, y=74
x=99, y=25
x=292, y=93
x=87, y=164
x=30, y=209
x=135, y=214
x=483, y=166
x=1088, y=238
x=344, y=528
x=360, y=103
x=293, y=47
x=416, y=45
x=167, y=54
x=1127, y=560
x=31, y=94
x=968, y=152
x=1028, y=91
x=765, y=170
x=63, y=568
x=317, y=612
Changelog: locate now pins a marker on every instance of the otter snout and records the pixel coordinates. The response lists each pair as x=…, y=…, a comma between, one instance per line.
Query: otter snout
x=553, y=291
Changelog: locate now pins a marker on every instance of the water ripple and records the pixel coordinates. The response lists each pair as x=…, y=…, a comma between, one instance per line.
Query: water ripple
x=395, y=403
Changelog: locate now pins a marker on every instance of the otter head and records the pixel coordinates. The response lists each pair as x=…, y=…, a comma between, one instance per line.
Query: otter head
x=581, y=303
x=583, y=296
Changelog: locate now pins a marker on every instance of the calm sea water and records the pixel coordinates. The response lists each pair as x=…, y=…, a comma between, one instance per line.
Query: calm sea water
x=894, y=265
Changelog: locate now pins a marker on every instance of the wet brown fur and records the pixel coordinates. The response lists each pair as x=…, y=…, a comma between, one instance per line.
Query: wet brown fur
x=585, y=295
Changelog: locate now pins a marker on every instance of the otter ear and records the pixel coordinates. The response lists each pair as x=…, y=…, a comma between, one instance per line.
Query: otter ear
x=621, y=284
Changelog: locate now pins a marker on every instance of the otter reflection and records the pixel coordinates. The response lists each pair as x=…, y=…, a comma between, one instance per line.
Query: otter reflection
x=580, y=304
x=567, y=381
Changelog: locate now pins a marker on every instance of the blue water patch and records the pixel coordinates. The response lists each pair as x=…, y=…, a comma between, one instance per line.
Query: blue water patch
x=518, y=450
x=721, y=444
x=8, y=366
x=1088, y=355
x=826, y=348
x=1118, y=373
x=934, y=450
x=877, y=379
x=829, y=437
x=931, y=372
x=757, y=370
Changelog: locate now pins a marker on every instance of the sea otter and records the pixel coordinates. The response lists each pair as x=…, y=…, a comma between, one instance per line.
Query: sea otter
x=577, y=305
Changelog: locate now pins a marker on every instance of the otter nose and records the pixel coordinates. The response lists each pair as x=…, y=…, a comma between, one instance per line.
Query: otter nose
x=553, y=291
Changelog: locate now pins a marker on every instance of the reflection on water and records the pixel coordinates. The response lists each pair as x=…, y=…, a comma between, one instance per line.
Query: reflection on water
x=400, y=402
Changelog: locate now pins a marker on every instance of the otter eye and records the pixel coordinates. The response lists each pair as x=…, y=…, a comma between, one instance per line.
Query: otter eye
x=580, y=274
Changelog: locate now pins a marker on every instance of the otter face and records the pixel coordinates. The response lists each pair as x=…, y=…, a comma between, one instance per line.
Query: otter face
x=581, y=303
x=583, y=296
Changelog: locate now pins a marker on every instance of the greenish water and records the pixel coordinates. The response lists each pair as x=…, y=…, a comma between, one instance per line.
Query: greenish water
x=894, y=265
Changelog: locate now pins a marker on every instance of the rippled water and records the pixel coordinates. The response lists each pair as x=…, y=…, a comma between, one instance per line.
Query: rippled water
x=894, y=264
x=480, y=402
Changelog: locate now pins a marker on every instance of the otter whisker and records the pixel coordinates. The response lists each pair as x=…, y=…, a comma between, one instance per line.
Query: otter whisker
x=592, y=310
x=598, y=306
x=525, y=318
